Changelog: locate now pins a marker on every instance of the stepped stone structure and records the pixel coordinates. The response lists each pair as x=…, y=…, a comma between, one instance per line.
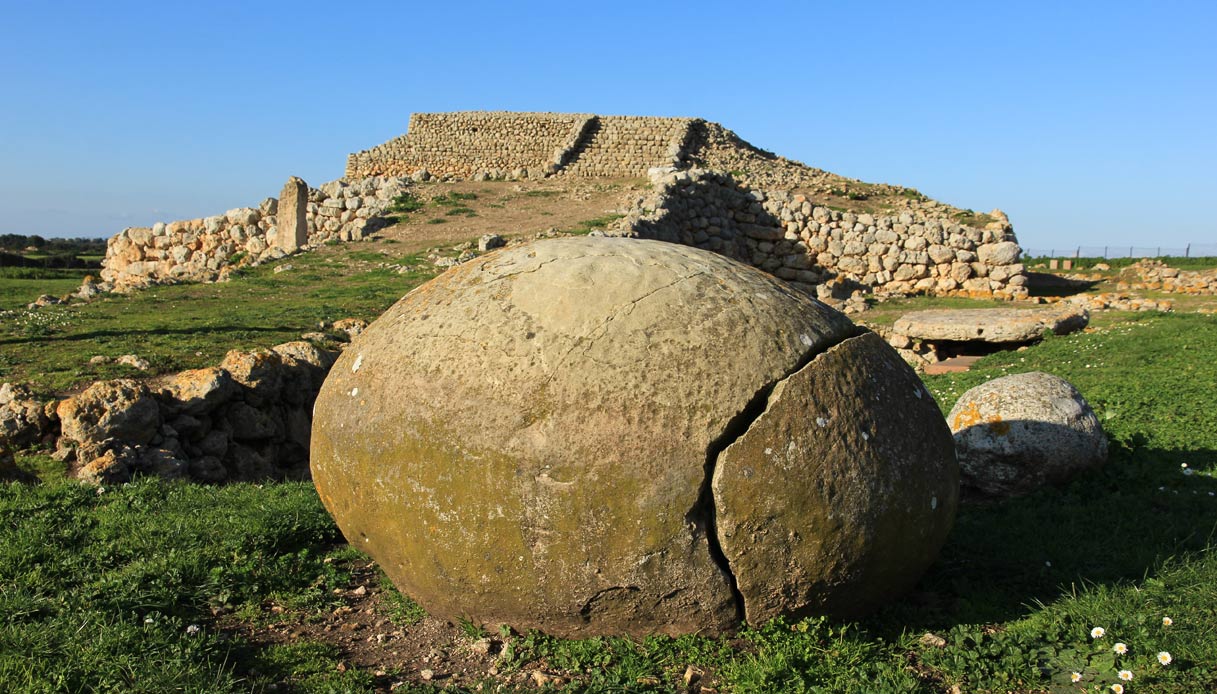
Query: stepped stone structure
x=499, y=144
x=712, y=190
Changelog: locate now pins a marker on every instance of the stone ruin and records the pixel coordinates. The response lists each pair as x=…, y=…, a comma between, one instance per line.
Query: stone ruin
x=208, y=249
x=711, y=190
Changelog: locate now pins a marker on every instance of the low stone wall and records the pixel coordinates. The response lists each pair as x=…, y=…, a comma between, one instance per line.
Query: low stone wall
x=1155, y=275
x=206, y=249
x=790, y=236
x=249, y=419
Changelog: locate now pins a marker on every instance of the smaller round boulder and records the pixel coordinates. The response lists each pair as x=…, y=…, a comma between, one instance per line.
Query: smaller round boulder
x=1017, y=433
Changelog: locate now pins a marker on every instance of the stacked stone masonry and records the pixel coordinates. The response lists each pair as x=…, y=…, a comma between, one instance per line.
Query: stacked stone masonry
x=205, y=250
x=479, y=144
x=788, y=235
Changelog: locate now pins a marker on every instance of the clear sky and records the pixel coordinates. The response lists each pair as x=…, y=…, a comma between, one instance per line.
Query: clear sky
x=1088, y=123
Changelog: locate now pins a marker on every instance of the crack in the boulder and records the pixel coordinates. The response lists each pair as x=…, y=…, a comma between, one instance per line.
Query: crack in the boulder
x=703, y=516
x=586, y=340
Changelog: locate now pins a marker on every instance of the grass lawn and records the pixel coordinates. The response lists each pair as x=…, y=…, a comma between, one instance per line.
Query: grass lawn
x=193, y=325
x=137, y=588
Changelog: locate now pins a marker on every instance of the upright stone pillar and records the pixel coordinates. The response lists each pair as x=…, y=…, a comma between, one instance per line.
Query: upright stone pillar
x=292, y=228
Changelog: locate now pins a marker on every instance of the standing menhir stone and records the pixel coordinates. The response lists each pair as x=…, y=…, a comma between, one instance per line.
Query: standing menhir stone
x=293, y=206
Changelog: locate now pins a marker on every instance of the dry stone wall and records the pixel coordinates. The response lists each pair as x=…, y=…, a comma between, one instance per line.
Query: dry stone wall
x=619, y=146
x=465, y=144
x=483, y=144
x=249, y=419
x=207, y=249
x=820, y=249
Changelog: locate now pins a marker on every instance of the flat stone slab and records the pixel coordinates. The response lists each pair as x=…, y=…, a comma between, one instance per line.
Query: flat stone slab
x=990, y=324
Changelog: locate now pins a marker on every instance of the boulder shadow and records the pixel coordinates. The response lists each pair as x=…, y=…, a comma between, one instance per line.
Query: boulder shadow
x=1117, y=524
x=1047, y=284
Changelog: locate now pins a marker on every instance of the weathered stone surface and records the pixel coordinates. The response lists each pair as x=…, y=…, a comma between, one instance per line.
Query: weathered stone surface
x=990, y=324
x=350, y=326
x=199, y=390
x=1004, y=253
x=23, y=417
x=259, y=371
x=1017, y=433
x=291, y=216
x=122, y=409
x=527, y=439
x=842, y=492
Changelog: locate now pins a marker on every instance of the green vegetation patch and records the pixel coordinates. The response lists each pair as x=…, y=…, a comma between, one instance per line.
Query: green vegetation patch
x=111, y=588
x=587, y=226
x=188, y=326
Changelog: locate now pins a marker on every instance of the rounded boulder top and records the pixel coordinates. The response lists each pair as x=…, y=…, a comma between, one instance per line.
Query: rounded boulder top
x=615, y=436
x=1016, y=433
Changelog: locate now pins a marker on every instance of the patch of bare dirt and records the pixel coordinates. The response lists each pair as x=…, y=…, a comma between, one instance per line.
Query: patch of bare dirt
x=509, y=209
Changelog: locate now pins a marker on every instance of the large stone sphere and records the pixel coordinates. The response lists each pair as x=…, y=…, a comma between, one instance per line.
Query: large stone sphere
x=1015, y=434
x=614, y=436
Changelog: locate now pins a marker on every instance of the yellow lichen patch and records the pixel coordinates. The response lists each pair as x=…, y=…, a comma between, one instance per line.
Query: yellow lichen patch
x=999, y=427
x=968, y=416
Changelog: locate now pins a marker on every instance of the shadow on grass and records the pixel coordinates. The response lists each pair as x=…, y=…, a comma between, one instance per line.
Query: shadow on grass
x=1114, y=526
x=1047, y=284
x=99, y=334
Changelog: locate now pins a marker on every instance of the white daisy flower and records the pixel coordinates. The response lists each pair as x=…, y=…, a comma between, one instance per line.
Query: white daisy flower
x=1117, y=688
x=1164, y=658
x=1075, y=677
x=1167, y=621
x=1120, y=648
x=1097, y=632
x=1125, y=675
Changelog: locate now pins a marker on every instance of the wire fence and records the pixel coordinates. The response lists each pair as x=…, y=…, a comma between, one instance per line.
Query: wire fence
x=1192, y=250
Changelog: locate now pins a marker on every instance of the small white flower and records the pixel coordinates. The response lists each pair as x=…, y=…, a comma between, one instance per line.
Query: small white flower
x=1167, y=621
x=1075, y=677
x=147, y=620
x=193, y=629
x=1120, y=648
x=1097, y=632
x=1164, y=658
x=101, y=490
x=1125, y=675
x=1117, y=688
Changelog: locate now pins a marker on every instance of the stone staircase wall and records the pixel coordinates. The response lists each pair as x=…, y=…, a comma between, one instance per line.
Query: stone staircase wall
x=621, y=146
x=498, y=144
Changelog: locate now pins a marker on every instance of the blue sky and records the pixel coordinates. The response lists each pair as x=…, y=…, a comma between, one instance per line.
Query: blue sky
x=1088, y=123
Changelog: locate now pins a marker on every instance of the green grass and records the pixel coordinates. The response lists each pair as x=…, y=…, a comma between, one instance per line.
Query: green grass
x=98, y=590
x=405, y=204
x=193, y=325
x=110, y=589
x=588, y=225
x=20, y=286
x=1200, y=263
